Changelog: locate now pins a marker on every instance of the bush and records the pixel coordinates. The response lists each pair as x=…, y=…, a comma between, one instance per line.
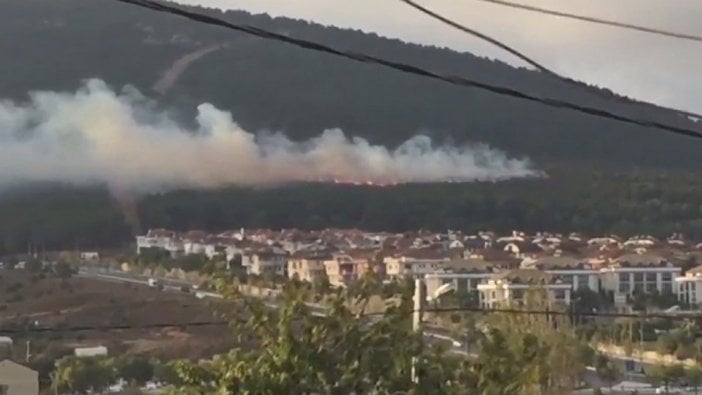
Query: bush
x=15, y=298
x=667, y=344
x=685, y=352
x=14, y=287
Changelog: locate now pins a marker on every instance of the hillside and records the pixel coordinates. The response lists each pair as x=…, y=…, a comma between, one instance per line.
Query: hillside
x=48, y=44
x=603, y=176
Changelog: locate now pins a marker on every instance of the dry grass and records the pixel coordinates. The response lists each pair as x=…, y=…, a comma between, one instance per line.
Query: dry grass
x=53, y=302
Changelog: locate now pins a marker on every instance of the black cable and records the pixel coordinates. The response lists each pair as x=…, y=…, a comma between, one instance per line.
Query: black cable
x=82, y=328
x=600, y=21
x=538, y=66
x=410, y=69
x=480, y=35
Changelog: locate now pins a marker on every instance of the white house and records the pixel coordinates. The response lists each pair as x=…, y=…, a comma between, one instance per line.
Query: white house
x=639, y=272
x=464, y=275
x=513, y=286
x=689, y=286
x=87, y=352
x=574, y=271
x=89, y=256
x=162, y=239
x=16, y=379
x=265, y=262
x=416, y=262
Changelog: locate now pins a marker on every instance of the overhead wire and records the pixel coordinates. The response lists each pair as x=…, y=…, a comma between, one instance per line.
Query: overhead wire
x=601, y=21
x=411, y=69
x=480, y=35
x=538, y=66
x=512, y=311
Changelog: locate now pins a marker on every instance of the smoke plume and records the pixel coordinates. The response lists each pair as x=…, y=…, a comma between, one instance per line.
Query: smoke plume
x=96, y=135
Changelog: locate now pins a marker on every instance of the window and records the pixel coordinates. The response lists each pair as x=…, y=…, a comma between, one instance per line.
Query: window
x=583, y=281
x=559, y=294
x=651, y=277
x=638, y=277
x=518, y=294
x=624, y=284
x=667, y=288
x=650, y=287
x=666, y=277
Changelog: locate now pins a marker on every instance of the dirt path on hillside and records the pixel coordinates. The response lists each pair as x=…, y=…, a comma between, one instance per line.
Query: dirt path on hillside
x=170, y=76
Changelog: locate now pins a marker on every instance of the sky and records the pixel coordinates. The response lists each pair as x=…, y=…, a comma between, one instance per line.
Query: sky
x=645, y=66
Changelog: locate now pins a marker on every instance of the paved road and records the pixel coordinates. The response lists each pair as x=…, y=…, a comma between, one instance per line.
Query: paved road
x=435, y=335
x=104, y=274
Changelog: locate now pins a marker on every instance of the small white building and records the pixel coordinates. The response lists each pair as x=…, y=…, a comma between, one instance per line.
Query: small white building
x=99, y=351
x=689, y=286
x=265, y=262
x=463, y=275
x=16, y=379
x=89, y=256
x=512, y=287
x=416, y=262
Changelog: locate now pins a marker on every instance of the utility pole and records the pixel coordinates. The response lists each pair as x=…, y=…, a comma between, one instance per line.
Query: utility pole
x=28, y=354
x=417, y=323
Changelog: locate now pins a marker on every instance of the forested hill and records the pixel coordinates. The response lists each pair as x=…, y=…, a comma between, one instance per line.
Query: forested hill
x=54, y=44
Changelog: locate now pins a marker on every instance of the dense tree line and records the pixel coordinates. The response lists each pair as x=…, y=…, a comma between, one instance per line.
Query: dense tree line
x=593, y=202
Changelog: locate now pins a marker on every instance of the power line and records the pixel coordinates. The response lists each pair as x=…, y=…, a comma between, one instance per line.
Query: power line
x=480, y=35
x=411, y=69
x=112, y=327
x=600, y=21
x=513, y=311
x=532, y=62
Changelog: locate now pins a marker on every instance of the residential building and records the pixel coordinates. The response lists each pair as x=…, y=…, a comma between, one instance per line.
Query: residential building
x=344, y=268
x=642, y=272
x=513, y=286
x=416, y=262
x=575, y=271
x=689, y=286
x=155, y=238
x=308, y=266
x=265, y=262
x=464, y=275
x=16, y=379
x=91, y=256
x=87, y=352
x=639, y=273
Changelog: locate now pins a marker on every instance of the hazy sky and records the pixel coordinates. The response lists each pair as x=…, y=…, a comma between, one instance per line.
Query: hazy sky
x=649, y=67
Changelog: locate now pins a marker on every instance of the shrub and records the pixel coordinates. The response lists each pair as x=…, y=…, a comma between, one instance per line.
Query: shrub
x=17, y=297
x=14, y=287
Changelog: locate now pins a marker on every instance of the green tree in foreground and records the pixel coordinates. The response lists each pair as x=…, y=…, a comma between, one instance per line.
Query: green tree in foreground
x=83, y=375
x=693, y=377
x=666, y=375
x=606, y=370
x=137, y=370
x=290, y=351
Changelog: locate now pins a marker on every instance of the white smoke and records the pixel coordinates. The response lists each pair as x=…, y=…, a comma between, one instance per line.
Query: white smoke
x=98, y=136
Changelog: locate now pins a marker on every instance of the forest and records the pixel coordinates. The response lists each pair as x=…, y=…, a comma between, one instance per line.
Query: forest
x=590, y=201
x=603, y=176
